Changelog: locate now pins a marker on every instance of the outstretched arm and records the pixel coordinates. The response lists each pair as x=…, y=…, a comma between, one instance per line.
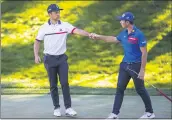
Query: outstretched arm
x=81, y=32
x=104, y=38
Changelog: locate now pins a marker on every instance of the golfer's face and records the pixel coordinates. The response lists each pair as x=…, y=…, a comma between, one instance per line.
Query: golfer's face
x=55, y=15
x=123, y=23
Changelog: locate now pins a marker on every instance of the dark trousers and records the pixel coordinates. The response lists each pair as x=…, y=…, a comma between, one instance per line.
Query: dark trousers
x=123, y=79
x=57, y=65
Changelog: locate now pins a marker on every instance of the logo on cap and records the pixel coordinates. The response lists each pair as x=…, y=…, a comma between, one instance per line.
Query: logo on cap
x=126, y=16
x=57, y=6
x=123, y=15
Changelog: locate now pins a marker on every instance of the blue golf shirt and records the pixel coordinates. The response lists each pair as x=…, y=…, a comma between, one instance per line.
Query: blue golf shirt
x=131, y=44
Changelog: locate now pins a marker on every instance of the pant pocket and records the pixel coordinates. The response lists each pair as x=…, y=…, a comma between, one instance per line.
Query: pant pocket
x=45, y=59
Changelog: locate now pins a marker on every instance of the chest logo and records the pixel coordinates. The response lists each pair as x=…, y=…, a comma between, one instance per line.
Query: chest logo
x=133, y=40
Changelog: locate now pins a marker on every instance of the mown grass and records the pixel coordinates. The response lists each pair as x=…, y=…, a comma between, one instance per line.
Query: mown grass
x=93, y=64
x=81, y=91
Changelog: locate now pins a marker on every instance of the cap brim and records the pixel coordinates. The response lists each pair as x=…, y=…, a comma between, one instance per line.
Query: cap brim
x=119, y=18
x=58, y=10
x=54, y=10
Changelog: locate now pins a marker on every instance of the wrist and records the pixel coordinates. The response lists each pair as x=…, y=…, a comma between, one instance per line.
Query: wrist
x=98, y=36
x=36, y=55
x=87, y=34
x=142, y=69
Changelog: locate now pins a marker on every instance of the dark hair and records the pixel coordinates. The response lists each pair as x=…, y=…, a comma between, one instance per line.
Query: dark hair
x=131, y=22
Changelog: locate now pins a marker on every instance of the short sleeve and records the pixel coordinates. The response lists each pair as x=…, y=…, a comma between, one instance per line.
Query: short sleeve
x=70, y=28
x=118, y=37
x=142, y=40
x=41, y=34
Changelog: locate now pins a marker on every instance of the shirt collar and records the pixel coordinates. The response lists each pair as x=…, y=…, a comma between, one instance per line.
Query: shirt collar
x=133, y=31
x=58, y=22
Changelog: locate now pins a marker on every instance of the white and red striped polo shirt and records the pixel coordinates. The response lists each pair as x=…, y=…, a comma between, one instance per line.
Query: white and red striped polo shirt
x=54, y=36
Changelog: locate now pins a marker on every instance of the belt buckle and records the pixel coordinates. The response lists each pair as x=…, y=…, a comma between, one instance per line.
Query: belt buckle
x=47, y=54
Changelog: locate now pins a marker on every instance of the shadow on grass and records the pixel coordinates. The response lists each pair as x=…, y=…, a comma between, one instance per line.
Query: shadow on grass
x=162, y=47
x=16, y=57
x=13, y=6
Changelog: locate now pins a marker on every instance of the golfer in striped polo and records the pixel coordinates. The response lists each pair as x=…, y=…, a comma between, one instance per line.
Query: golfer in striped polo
x=54, y=34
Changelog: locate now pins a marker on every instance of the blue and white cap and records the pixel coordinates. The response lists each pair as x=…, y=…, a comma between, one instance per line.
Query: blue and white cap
x=126, y=16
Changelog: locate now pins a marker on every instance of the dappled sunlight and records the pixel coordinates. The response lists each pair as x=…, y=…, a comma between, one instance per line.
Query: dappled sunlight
x=93, y=80
x=163, y=16
x=72, y=9
x=127, y=6
x=159, y=72
x=34, y=77
x=23, y=30
x=35, y=71
x=101, y=24
x=83, y=66
x=92, y=64
x=159, y=37
x=130, y=84
x=162, y=61
x=101, y=83
x=97, y=80
x=15, y=82
x=79, y=78
x=161, y=65
x=118, y=59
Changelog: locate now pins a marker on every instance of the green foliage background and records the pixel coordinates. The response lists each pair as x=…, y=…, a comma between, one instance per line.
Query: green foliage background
x=92, y=64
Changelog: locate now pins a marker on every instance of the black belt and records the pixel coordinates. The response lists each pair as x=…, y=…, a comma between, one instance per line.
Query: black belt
x=53, y=55
x=132, y=62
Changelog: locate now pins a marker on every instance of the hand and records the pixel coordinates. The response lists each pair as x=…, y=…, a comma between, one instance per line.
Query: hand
x=141, y=74
x=93, y=36
x=37, y=59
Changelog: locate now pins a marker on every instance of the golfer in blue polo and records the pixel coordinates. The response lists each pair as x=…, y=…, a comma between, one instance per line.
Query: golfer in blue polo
x=135, y=58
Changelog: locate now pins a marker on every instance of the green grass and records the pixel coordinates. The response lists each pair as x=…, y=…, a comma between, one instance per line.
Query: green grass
x=81, y=91
x=92, y=64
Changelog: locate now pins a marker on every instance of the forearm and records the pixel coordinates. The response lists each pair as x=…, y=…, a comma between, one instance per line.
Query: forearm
x=81, y=32
x=144, y=61
x=36, y=48
x=107, y=38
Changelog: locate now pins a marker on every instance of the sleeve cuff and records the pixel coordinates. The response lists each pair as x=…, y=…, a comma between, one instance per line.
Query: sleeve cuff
x=142, y=45
x=73, y=30
x=117, y=37
x=38, y=40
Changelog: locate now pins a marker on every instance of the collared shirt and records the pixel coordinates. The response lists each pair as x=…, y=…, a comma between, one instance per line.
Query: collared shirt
x=131, y=44
x=54, y=36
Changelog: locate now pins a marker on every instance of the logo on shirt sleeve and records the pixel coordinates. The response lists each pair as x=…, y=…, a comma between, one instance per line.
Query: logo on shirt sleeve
x=143, y=42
